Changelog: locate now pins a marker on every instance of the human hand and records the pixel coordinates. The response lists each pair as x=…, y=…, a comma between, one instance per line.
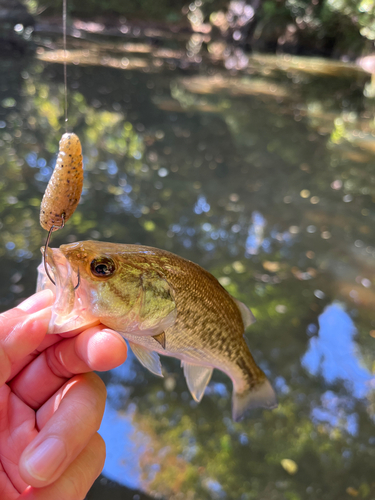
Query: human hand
x=50, y=405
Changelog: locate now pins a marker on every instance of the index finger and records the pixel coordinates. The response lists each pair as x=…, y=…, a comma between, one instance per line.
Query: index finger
x=22, y=329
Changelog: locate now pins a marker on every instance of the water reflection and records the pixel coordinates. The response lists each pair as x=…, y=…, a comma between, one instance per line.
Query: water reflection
x=124, y=448
x=255, y=237
x=265, y=177
x=335, y=354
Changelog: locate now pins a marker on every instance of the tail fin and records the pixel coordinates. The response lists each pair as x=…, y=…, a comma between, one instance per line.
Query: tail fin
x=262, y=395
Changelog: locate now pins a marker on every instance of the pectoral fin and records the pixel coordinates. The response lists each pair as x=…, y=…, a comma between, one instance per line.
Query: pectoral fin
x=160, y=338
x=149, y=359
x=197, y=378
x=158, y=309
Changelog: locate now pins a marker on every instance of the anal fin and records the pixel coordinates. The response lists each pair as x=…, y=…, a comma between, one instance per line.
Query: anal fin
x=149, y=359
x=197, y=378
x=160, y=338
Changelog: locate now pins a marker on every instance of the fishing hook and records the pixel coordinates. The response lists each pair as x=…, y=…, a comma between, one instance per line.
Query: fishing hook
x=46, y=247
x=45, y=253
x=79, y=280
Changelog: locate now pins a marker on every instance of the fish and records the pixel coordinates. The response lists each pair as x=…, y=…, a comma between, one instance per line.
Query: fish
x=162, y=304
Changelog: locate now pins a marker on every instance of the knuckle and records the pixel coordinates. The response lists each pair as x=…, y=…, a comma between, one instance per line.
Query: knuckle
x=89, y=394
x=97, y=384
x=5, y=366
x=54, y=363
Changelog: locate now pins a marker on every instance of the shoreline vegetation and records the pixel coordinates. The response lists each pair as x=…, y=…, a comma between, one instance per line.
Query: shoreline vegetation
x=337, y=29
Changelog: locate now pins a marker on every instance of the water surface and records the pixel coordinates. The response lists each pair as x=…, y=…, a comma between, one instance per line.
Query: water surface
x=262, y=170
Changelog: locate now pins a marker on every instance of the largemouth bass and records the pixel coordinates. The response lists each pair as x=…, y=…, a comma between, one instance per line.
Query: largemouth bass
x=161, y=304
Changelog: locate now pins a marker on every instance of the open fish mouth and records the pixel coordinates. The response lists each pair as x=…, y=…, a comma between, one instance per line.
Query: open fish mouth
x=71, y=309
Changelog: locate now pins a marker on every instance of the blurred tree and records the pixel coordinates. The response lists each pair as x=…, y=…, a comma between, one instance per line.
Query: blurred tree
x=330, y=28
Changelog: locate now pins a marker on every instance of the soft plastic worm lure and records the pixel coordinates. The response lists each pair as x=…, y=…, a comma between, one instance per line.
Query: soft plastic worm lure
x=63, y=190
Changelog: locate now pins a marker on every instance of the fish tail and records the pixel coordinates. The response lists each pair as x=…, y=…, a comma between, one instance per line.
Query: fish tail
x=260, y=395
x=251, y=388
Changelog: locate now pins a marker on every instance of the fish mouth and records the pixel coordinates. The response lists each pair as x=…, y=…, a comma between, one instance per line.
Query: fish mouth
x=71, y=310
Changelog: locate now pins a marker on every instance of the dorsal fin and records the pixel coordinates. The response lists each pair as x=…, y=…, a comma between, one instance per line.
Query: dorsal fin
x=197, y=378
x=149, y=359
x=247, y=316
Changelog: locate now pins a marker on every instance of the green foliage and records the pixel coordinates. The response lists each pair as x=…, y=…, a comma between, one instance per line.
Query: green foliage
x=325, y=27
x=162, y=9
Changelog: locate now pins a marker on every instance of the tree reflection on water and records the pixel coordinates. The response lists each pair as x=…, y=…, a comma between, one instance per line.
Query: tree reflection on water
x=264, y=177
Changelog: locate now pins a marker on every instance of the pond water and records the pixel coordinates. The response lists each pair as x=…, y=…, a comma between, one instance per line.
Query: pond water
x=262, y=170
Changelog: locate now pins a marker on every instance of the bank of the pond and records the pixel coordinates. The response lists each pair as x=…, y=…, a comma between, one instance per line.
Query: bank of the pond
x=324, y=28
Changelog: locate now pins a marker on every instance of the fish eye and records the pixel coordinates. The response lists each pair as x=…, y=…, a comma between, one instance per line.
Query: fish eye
x=102, y=267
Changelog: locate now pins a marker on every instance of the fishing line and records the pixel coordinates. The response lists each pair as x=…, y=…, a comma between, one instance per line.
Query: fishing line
x=65, y=73
x=66, y=130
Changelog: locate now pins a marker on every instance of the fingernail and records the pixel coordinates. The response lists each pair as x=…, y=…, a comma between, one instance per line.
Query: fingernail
x=45, y=459
x=37, y=301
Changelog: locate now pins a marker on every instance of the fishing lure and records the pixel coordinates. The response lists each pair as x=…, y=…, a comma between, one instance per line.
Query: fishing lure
x=64, y=188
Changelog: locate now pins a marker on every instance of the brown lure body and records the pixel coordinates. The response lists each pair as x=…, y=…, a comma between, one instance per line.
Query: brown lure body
x=64, y=188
